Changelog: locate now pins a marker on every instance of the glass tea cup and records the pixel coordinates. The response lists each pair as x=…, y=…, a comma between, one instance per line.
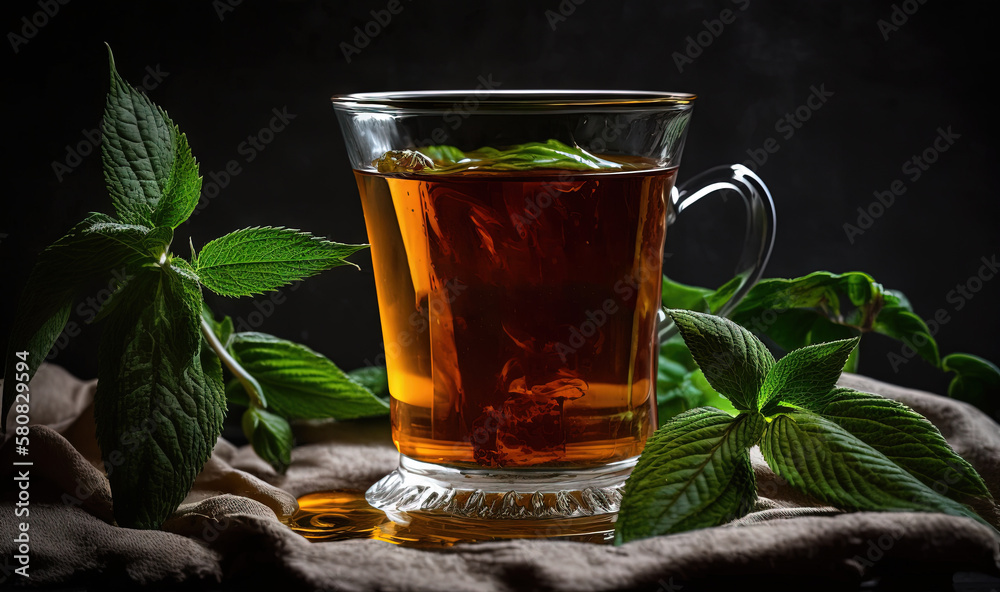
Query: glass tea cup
x=517, y=245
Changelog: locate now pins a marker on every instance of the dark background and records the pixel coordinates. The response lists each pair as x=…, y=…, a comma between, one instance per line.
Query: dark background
x=222, y=69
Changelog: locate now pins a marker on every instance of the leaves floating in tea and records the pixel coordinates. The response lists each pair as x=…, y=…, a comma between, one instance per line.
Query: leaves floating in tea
x=551, y=154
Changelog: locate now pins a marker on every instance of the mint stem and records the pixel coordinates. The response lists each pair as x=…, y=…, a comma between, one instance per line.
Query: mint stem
x=249, y=382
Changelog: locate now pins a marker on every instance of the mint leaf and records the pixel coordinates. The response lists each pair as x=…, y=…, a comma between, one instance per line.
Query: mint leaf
x=852, y=298
x=373, y=378
x=551, y=154
x=681, y=386
x=807, y=372
x=90, y=251
x=733, y=360
x=159, y=403
x=697, y=299
x=148, y=167
x=904, y=436
x=821, y=459
x=693, y=473
x=976, y=380
x=271, y=437
x=683, y=296
x=299, y=383
x=256, y=260
x=821, y=306
x=897, y=320
x=824, y=306
x=183, y=187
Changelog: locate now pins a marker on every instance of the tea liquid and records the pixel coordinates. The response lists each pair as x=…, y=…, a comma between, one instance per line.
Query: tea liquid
x=519, y=312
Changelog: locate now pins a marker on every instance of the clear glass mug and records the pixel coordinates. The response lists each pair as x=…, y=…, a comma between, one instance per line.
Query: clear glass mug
x=520, y=303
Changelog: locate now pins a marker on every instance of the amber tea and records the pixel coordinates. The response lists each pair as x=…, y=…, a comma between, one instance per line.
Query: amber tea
x=519, y=311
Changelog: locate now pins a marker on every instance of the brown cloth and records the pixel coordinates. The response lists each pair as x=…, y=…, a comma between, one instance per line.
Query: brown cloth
x=227, y=532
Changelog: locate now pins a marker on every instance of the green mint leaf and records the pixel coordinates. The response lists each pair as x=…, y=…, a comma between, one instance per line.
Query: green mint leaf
x=693, y=473
x=148, y=167
x=681, y=386
x=685, y=297
x=818, y=457
x=159, y=403
x=976, y=380
x=821, y=306
x=733, y=360
x=723, y=294
x=93, y=250
x=373, y=378
x=904, y=436
x=551, y=154
x=271, y=437
x=853, y=297
x=697, y=299
x=183, y=187
x=897, y=320
x=299, y=383
x=811, y=371
x=815, y=308
x=256, y=260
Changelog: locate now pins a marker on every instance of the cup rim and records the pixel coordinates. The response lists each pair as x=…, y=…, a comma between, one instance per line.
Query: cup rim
x=511, y=100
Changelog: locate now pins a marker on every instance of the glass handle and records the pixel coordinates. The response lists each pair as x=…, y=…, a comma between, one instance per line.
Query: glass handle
x=760, y=225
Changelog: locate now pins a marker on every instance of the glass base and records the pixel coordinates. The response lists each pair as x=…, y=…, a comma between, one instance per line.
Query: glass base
x=344, y=514
x=427, y=490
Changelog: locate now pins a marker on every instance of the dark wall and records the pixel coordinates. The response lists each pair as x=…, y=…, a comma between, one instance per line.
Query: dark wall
x=889, y=90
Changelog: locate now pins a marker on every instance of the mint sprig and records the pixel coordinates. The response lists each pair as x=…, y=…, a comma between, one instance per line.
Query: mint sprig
x=852, y=450
x=816, y=308
x=161, y=397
